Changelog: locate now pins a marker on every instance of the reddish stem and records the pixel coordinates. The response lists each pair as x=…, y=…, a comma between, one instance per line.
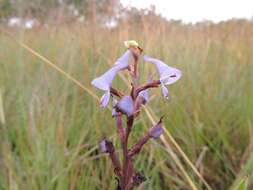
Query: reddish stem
x=152, y=84
x=114, y=158
x=127, y=163
x=128, y=169
x=116, y=92
x=137, y=147
x=121, y=130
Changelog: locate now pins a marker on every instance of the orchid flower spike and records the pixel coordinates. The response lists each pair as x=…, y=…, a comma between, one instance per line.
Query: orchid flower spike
x=168, y=75
x=104, y=82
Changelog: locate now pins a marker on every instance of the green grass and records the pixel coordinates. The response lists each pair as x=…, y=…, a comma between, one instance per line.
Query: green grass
x=52, y=127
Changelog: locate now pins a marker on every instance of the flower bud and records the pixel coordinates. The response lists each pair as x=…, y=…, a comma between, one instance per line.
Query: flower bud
x=126, y=105
x=132, y=44
x=156, y=130
x=106, y=146
x=139, y=178
x=102, y=146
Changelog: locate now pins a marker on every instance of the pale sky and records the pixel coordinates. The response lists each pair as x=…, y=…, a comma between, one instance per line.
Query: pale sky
x=198, y=10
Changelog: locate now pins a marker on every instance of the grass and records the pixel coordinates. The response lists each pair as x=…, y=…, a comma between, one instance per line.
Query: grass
x=51, y=127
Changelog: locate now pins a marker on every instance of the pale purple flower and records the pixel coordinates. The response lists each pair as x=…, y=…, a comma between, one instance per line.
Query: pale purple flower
x=104, y=82
x=156, y=131
x=168, y=75
x=126, y=105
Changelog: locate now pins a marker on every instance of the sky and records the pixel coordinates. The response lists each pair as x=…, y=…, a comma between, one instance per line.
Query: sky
x=197, y=10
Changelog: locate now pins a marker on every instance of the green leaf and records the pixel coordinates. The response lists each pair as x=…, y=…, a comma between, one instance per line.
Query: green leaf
x=242, y=185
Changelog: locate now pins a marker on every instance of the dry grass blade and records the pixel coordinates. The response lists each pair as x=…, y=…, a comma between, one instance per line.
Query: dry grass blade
x=2, y=117
x=187, y=159
x=172, y=154
x=178, y=163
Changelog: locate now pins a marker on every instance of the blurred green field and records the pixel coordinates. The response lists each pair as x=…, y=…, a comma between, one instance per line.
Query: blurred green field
x=50, y=128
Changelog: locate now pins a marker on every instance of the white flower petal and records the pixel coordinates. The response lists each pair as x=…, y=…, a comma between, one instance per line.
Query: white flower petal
x=105, y=99
x=168, y=75
x=123, y=61
x=104, y=81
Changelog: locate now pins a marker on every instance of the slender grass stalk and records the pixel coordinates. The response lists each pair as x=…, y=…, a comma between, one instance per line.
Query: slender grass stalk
x=2, y=115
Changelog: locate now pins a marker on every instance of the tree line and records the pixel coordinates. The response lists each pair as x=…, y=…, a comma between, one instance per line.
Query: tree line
x=41, y=8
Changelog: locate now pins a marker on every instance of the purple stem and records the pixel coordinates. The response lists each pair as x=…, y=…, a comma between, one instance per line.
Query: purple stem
x=116, y=92
x=127, y=163
x=114, y=158
x=152, y=84
x=137, y=147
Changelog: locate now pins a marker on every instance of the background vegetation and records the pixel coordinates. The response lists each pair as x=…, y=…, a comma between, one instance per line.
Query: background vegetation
x=50, y=128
